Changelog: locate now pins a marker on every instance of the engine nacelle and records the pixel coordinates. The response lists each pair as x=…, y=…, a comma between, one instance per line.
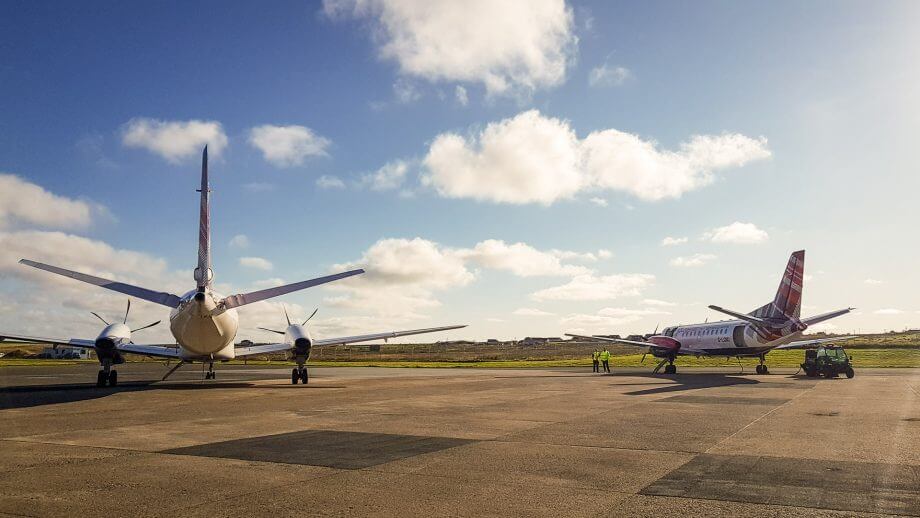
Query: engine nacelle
x=302, y=347
x=105, y=350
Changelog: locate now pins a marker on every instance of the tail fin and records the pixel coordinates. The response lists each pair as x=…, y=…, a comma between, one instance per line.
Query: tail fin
x=788, y=301
x=203, y=273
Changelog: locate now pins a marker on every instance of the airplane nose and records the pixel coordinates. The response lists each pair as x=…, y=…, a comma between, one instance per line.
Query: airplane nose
x=302, y=345
x=199, y=297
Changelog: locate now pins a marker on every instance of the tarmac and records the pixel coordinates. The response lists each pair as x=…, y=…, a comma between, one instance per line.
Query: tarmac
x=458, y=442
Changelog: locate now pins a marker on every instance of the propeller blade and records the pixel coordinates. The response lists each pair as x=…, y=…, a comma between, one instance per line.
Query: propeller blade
x=655, y=332
x=271, y=330
x=145, y=327
x=309, y=317
x=127, y=311
x=643, y=358
x=286, y=317
x=100, y=318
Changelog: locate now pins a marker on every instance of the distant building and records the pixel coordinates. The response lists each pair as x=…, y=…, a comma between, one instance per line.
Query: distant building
x=66, y=353
x=538, y=340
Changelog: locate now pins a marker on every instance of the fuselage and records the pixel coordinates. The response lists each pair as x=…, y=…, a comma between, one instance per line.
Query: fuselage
x=727, y=338
x=202, y=332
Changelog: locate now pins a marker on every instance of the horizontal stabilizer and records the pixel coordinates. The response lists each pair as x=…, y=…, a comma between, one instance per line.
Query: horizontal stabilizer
x=748, y=318
x=157, y=297
x=808, y=344
x=234, y=301
x=826, y=316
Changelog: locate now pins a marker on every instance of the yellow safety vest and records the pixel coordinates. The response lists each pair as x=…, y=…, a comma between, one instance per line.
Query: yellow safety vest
x=595, y=356
x=605, y=355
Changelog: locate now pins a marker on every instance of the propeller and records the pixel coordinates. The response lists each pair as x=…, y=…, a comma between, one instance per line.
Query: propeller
x=309, y=317
x=125, y=320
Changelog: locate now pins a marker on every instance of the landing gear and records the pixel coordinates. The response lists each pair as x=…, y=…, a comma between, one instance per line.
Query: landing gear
x=300, y=373
x=761, y=368
x=670, y=369
x=107, y=375
x=210, y=375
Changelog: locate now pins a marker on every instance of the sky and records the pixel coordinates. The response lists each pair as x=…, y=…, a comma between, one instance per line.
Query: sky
x=526, y=167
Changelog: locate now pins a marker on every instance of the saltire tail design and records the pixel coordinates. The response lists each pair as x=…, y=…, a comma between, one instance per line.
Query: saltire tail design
x=787, y=305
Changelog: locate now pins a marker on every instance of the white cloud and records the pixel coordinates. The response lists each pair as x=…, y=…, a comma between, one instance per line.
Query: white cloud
x=526, y=159
x=603, y=253
x=606, y=75
x=737, y=233
x=609, y=317
x=405, y=91
x=521, y=259
x=658, y=303
x=257, y=263
x=239, y=241
x=174, y=140
x=330, y=182
x=286, y=146
x=600, y=202
x=25, y=203
x=672, y=241
x=888, y=311
x=530, y=158
x=510, y=47
x=591, y=287
x=462, y=97
x=693, y=260
x=873, y=282
x=390, y=176
x=532, y=312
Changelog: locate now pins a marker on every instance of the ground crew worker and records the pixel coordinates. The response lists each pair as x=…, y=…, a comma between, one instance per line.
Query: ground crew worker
x=595, y=359
x=605, y=357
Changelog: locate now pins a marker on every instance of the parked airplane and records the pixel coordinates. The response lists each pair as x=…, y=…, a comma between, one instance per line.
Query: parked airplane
x=775, y=325
x=203, y=323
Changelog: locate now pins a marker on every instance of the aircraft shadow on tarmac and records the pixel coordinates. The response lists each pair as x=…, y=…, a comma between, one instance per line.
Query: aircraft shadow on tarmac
x=27, y=396
x=683, y=382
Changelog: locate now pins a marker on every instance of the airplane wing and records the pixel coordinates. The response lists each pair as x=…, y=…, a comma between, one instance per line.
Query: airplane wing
x=158, y=297
x=158, y=350
x=279, y=347
x=613, y=340
x=807, y=344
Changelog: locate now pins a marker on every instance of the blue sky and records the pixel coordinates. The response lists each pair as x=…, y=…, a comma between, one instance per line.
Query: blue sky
x=808, y=113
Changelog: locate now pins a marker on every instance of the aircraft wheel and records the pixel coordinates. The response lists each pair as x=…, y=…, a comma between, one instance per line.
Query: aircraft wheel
x=850, y=373
x=294, y=377
x=304, y=377
x=113, y=378
x=101, y=379
x=670, y=369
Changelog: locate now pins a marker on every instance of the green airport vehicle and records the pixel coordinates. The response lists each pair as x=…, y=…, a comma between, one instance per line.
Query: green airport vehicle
x=829, y=361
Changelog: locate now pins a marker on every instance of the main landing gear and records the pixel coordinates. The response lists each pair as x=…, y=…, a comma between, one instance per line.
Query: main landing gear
x=300, y=373
x=210, y=375
x=107, y=375
x=670, y=368
x=761, y=368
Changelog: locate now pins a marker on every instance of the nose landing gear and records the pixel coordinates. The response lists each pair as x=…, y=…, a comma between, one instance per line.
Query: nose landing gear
x=210, y=375
x=300, y=373
x=107, y=375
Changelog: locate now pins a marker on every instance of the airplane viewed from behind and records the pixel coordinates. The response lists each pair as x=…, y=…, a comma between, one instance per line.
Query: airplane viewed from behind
x=203, y=322
x=775, y=325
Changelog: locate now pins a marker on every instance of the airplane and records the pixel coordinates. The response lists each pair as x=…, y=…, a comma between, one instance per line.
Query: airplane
x=203, y=323
x=775, y=325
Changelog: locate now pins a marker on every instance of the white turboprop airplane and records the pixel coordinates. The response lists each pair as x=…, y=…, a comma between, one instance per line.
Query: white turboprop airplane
x=203, y=322
x=776, y=325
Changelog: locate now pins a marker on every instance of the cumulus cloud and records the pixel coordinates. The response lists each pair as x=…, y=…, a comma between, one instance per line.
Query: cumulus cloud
x=693, y=260
x=532, y=312
x=510, y=47
x=530, y=158
x=888, y=311
x=522, y=259
x=25, y=203
x=737, y=233
x=330, y=182
x=287, y=146
x=462, y=97
x=257, y=263
x=592, y=287
x=606, y=75
x=174, y=140
x=609, y=318
x=672, y=241
x=239, y=241
x=390, y=176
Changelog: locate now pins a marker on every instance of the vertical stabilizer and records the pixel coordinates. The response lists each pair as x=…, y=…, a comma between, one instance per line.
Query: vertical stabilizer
x=203, y=272
x=788, y=301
